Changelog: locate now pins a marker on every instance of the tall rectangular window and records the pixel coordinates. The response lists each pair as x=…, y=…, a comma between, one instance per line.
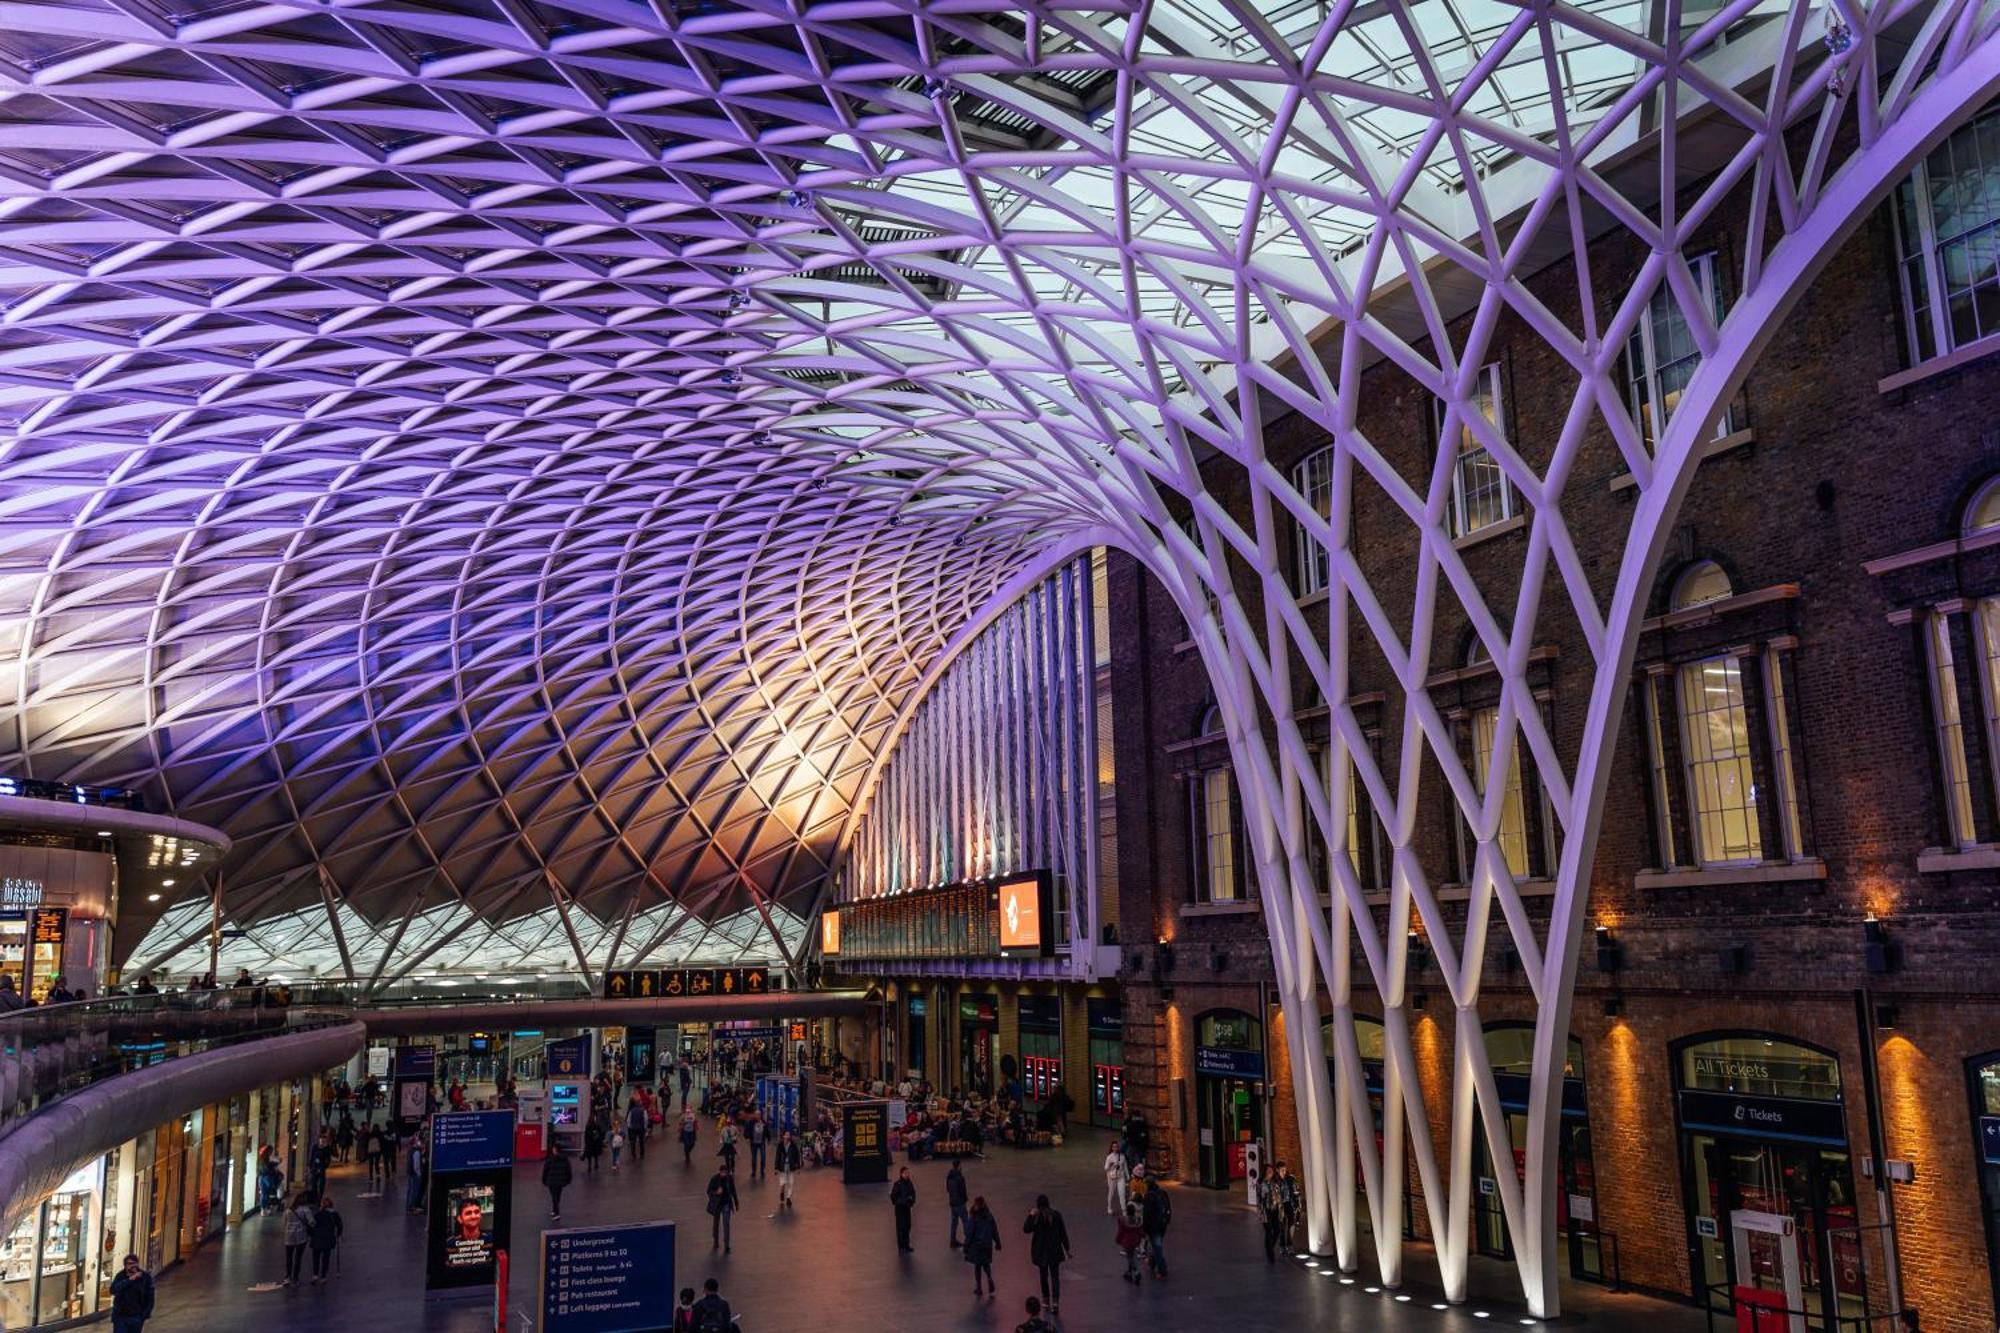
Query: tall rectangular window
x=1481, y=495
x=1513, y=800
x=1661, y=356
x=1312, y=478
x=1948, y=240
x=1956, y=777
x=1217, y=875
x=1722, y=790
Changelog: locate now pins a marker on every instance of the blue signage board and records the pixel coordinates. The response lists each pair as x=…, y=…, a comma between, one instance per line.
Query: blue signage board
x=1515, y=1090
x=570, y=1058
x=416, y=1062
x=1792, y=1119
x=1989, y=1139
x=1228, y=1064
x=614, y=1279
x=471, y=1140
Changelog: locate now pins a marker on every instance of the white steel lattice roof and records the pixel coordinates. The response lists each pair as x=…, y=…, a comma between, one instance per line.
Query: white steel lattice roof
x=521, y=455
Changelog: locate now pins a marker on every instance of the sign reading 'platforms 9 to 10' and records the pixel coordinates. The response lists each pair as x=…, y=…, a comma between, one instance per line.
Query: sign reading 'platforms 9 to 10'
x=616, y=1279
x=687, y=983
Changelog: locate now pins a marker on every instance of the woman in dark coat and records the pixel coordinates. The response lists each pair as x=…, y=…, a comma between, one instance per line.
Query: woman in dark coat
x=982, y=1238
x=593, y=1145
x=326, y=1229
x=556, y=1173
x=1048, y=1246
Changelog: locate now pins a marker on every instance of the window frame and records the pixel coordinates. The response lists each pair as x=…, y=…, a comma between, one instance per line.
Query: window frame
x=1312, y=562
x=1927, y=326
x=1684, y=673
x=1642, y=372
x=1469, y=447
x=1202, y=836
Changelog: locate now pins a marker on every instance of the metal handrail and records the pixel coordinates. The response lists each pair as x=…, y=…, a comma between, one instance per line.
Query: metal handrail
x=1773, y=1319
x=50, y=1051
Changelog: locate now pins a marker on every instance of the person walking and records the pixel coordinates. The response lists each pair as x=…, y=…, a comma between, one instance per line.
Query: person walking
x=1130, y=1238
x=687, y=1135
x=1156, y=1217
x=722, y=1205
x=955, y=1195
x=375, y=1149
x=903, y=1197
x=326, y=1229
x=419, y=1165
x=617, y=1148
x=593, y=1146
x=1290, y=1203
x=319, y=1160
x=711, y=1313
x=684, y=1313
x=1116, y=1173
x=556, y=1175
x=790, y=1159
x=759, y=1134
x=636, y=1125
x=982, y=1239
x=1270, y=1208
x=1048, y=1246
x=131, y=1297
x=298, y=1234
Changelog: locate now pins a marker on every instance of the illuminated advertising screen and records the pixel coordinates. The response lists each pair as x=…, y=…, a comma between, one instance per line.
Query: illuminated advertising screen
x=829, y=934
x=1021, y=925
x=468, y=1224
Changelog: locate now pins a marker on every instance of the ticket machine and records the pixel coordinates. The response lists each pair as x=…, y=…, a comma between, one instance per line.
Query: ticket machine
x=567, y=1109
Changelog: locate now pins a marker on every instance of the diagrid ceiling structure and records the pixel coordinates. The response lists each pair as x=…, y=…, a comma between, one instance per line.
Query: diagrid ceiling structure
x=512, y=463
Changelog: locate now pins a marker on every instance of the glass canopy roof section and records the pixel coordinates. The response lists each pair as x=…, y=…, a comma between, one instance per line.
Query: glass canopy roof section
x=520, y=457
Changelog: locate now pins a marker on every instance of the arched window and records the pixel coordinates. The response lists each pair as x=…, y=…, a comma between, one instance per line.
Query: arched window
x=1984, y=511
x=1946, y=214
x=1700, y=583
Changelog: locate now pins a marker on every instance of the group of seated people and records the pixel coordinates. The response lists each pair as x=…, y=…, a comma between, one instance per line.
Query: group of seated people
x=962, y=1126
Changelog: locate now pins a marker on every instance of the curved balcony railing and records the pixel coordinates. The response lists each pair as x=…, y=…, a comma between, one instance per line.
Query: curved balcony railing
x=51, y=1051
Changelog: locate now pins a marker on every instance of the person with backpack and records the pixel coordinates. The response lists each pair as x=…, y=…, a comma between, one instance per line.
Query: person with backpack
x=982, y=1239
x=617, y=1148
x=556, y=1174
x=131, y=1297
x=1048, y=1247
x=790, y=1159
x=1034, y=1323
x=326, y=1229
x=955, y=1195
x=1157, y=1216
x=903, y=1198
x=759, y=1133
x=711, y=1313
x=722, y=1205
x=1129, y=1237
x=688, y=1132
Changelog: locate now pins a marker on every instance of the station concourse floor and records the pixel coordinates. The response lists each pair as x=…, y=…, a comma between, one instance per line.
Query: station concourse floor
x=830, y=1264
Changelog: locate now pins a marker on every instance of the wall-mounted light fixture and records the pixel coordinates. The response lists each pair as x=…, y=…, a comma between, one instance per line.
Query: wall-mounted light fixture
x=1885, y=1018
x=1610, y=953
x=1217, y=960
x=1420, y=954
x=1881, y=953
x=1614, y=1006
x=1735, y=960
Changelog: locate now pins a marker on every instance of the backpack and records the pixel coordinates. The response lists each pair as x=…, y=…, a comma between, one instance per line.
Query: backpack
x=710, y=1320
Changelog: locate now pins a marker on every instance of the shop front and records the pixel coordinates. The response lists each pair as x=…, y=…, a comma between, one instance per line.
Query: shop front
x=1105, y=1021
x=54, y=900
x=1229, y=1092
x=978, y=1041
x=1510, y=1050
x=1041, y=1047
x=1767, y=1177
x=1983, y=1072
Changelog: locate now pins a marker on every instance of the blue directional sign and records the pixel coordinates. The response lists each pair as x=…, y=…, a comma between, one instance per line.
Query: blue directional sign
x=569, y=1058
x=472, y=1140
x=615, y=1279
x=1989, y=1138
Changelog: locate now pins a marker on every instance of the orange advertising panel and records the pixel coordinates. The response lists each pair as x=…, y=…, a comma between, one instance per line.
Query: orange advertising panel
x=1021, y=914
x=829, y=933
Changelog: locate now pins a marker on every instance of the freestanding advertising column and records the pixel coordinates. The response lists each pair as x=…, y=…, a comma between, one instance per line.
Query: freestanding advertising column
x=472, y=1174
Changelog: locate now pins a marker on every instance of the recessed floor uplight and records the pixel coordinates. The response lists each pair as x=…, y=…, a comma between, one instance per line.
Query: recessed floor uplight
x=166, y=884
x=1402, y=1298
x=1439, y=1305
x=1312, y=1263
x=1347, y=1282
x=1373, y=1291
x=104, y=833
x=1480, y=1314
x=1328, y=1272
x=152, y=897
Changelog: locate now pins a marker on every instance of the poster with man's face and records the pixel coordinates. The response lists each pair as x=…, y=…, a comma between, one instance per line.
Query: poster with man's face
x=468, y=1223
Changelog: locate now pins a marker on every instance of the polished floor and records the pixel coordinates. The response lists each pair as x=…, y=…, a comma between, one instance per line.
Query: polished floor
x=831, y=1263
